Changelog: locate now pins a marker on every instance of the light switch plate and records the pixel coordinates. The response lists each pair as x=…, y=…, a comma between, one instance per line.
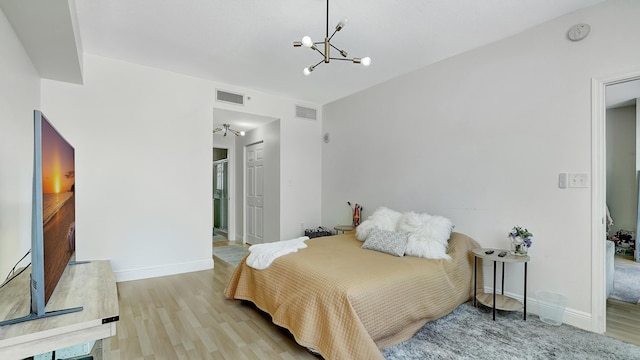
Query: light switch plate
x=562, y=180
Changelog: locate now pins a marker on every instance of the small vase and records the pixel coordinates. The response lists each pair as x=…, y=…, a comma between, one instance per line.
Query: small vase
x=518, y=247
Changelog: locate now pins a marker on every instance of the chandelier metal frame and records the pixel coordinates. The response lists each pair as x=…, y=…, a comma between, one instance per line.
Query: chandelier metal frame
x=226, y=128
x=327, y=45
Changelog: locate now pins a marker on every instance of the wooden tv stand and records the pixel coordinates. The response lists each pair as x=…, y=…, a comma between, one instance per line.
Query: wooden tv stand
x=90, y=285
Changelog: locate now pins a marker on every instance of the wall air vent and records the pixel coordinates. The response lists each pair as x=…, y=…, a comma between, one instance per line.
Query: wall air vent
x=229, y=97
x=305, y=113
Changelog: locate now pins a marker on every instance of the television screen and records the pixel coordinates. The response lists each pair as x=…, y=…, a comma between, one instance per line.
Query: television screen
x=52, y=219
x=53, y=240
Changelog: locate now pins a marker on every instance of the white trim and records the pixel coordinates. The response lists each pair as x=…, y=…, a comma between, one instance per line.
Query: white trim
x=598, y=201
x=598, y=196
x=172, y=269
x=244, y=194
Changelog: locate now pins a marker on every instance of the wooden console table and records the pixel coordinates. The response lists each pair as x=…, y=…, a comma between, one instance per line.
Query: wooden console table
x=90, y=285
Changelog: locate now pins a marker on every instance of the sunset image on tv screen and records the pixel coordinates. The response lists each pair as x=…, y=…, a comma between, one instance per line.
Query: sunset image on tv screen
x=58, y=205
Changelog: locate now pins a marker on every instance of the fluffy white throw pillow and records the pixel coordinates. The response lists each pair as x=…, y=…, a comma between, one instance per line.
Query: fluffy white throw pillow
x=428, y=235
x=383, y=218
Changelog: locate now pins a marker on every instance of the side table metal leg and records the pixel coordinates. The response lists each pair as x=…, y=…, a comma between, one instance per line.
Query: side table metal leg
x=525, y=291
x=502, y=288
x=475, y=280
x=494, y=291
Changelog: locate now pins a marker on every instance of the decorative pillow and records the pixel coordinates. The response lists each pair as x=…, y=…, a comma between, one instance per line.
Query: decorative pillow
x=389, y=242
x=428, y=235
x=382, y=218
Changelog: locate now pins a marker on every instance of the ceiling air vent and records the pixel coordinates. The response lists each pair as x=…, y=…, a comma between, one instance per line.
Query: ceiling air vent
x=305, y=113
x=229, y=97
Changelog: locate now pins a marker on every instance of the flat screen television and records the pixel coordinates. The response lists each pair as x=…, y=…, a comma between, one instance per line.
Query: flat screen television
x=53, y=216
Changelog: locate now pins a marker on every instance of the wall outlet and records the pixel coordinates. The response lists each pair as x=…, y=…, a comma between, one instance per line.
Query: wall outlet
x=578, y=180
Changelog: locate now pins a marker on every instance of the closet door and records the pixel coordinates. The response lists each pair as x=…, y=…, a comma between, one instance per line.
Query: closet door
x=255, y=194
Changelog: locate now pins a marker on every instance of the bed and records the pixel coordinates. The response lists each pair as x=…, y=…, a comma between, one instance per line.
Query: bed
x=347, y=302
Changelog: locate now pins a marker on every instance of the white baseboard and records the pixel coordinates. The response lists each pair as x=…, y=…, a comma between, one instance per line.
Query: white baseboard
x=171, y=269
x=573, y=317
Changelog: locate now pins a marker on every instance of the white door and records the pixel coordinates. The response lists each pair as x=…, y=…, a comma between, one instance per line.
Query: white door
x=255, y=194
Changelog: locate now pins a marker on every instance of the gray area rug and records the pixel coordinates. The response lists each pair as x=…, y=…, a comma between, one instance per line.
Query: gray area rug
x=219, y=238
x=626, y=284
x=469, y=333
x=231, y=254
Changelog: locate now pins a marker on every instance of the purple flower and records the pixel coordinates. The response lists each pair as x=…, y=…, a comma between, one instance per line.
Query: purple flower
x=523, y=233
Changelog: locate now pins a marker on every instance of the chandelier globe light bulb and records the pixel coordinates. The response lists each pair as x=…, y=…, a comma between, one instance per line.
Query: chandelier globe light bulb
x=306, y=71
x=366, y=61
x=342, y=24
x=306, y=41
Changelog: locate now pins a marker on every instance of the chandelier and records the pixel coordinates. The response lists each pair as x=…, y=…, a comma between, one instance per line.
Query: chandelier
x=226, y=128
x=327, y=45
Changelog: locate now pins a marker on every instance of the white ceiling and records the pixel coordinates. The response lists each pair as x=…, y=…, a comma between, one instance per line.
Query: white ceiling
x=48, y=31
x=248, y=43
x=239, y=121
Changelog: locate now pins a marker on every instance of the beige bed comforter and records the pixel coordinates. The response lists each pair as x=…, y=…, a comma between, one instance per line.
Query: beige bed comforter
x=347, y=302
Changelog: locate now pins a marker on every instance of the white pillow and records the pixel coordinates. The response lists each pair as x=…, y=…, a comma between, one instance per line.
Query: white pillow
x=382, y=218
x=428, y=235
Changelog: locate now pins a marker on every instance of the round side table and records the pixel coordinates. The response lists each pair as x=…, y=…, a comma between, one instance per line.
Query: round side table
x=343, y=228
x=501, y=301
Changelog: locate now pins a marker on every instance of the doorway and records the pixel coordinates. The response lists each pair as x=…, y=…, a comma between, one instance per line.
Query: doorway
x=221, y=197
x=606, y=314
x=220, y=192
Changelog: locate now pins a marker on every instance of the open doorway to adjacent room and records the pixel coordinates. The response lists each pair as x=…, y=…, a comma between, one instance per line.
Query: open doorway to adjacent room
x=239, y=130
x=220, y=194
x=619, y=145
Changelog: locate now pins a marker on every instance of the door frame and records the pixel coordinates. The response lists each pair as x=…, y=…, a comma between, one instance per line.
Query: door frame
x=226, y=217
x=598, y=196
x=231, y=176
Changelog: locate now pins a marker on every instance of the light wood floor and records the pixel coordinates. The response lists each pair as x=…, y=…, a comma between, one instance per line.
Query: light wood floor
x=186, y=316
x=623, y=319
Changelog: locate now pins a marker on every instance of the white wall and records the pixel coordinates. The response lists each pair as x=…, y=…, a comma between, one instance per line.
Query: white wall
x=481, y=138
x=622, y=188
x=19, y=96
x=143, y=141
x=301, y=172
